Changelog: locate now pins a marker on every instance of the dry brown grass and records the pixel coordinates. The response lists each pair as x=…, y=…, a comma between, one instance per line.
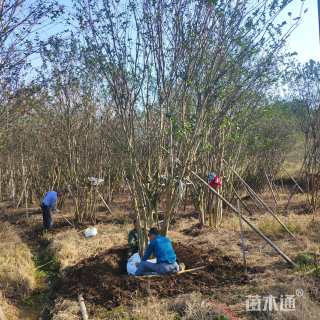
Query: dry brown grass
x=71, y=246
x=66, y=310
x=142, y=310
x=305, y=307
x=194, y=306
x=185, y=307
x=8, y=309
x=17, y=270
x=153, y=309
x=232, y=223
x=294, y=158
x=297, y=224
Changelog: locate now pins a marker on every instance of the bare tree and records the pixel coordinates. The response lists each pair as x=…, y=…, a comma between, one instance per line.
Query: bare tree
x=19, y=22
x=306, y=91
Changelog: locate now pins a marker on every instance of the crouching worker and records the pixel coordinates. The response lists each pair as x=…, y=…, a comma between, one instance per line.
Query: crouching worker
x=133, y=239
x=161, y=248
x=49, y=204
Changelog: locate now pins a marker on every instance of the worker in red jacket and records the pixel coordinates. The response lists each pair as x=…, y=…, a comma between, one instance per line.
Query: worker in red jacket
x=214, y=181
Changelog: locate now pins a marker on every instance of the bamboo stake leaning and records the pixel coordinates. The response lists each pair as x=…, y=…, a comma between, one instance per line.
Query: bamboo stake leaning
x=83, y=308
x=256, y=201
x=248, y=209
x=104, y=202
x=246, y=220
x=242, y=202
x=293, y=179
x=292, y=193
x=262, y=202
x=71, y=224
x=2, y=316
x=243, y=245
x=271, y=189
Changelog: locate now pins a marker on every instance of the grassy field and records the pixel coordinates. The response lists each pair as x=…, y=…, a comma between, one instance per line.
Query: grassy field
x=41, y=274
x=294, y=158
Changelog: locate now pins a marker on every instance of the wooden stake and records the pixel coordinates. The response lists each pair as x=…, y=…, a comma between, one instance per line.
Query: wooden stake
x=0, y=184
x=172, y=274
x=83, y=308
x=293, y=179
x=192, y=270
x=2, y=316
x=271, y=189
x=242, y=202
x=104, y=202
x=242, y=240
x=293, y=191
x=71, y=224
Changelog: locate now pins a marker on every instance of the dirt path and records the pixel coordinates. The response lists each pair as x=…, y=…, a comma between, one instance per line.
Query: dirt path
x=28, y=227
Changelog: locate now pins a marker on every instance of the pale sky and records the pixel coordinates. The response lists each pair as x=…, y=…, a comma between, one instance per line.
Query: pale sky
x=305, y=39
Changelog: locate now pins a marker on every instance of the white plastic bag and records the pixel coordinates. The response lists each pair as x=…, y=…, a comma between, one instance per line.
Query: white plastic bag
x=90, y=232
x=131, y=264
x=133, y=260
x=95, y=181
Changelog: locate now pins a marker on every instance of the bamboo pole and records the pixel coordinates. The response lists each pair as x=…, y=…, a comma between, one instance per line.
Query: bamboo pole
x=246, y=220
x=71, y=224
x=191, y=270
x=104, y=202
x=293, y=191
x=271, y=189
x=242, y=202
x=1, y=185
x=83, y=308
x=2, y=316
x=177, y=273
x=262, y=202
x=242, y=240
x=293, y=179
x=256, y=201
x=23, y=193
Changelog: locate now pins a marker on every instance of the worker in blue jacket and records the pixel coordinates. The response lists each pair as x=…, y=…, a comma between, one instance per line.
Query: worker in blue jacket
x=49, y=204
x=161, y=248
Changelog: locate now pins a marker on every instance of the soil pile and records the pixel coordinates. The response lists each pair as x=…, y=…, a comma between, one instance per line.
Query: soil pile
x=102, y=279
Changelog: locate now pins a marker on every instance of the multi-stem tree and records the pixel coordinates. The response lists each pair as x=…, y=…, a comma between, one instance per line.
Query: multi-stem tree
x=306, y=92
x=173, y=70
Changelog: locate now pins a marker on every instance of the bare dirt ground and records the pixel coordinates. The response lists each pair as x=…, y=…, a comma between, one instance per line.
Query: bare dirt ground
x=96, y=267
x=104, y=279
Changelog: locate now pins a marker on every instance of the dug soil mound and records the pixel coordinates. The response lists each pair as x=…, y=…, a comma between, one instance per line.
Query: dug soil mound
x=103, y=280
x=196, y=230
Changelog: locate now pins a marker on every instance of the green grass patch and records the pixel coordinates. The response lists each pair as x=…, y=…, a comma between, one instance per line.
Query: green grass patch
x=47, y=271
x=118, y=313
x=47, y=265
x=307, y=263
x=273, y=228
x=294, y=158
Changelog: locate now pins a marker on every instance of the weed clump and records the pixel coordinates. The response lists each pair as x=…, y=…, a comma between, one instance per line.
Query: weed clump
x=17, y=268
